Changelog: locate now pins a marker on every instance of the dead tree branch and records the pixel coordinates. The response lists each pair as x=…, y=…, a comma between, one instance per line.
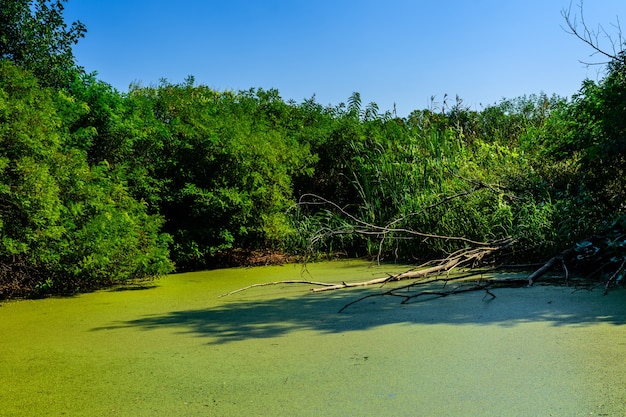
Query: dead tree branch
x=423, y=277
x=459, y=259
x=561, y=257
x=267, y=284
x=365, y=228
x=463, y=286
x=462, y=258
x=578, y=27
x=614, y=276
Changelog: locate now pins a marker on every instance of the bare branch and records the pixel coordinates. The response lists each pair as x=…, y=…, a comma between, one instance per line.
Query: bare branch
x=549, y=264
x=615, y=274
x=266, y=284
x=463, y=287
x=462, y=258
x=578, y=27
x=364, y=228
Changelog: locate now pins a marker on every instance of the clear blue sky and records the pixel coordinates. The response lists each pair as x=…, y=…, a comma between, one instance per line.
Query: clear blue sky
x=393, y=51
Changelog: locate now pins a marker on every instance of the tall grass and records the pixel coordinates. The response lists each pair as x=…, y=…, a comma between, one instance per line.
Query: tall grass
x=434, y=179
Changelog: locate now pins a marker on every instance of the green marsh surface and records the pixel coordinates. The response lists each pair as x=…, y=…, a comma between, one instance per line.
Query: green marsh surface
x=174, y=348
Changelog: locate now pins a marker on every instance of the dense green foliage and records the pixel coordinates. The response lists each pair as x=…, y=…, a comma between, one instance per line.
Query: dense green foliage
x=65, y=223
x=99, y=186
x=33, y=34
x=454, y=173
x=224, y=163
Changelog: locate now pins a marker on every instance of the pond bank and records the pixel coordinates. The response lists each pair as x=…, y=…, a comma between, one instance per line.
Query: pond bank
x=175, y=348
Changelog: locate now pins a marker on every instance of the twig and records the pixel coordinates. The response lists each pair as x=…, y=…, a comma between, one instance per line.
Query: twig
x=566, y=272
x=591, y=37
x=265, y=284
x=372, y=229
x=608, y=282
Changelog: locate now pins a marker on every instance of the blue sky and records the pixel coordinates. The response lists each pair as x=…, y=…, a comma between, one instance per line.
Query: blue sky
x=393, y=51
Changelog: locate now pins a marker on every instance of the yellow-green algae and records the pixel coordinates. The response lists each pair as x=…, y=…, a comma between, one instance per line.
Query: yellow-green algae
x=176, y=349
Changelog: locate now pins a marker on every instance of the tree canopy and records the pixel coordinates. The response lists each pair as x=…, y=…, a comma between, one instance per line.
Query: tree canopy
x=34, y=35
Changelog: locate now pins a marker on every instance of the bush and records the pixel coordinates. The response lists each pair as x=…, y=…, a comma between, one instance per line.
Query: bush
x=68, y=223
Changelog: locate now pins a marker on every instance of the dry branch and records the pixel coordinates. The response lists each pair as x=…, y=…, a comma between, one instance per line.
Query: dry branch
x=462, y=258
x=615, y=274
x=578, y=27
x=548, y=265
x=463, y=287
x=439, y=272
x=266, y=284
x=365, y=228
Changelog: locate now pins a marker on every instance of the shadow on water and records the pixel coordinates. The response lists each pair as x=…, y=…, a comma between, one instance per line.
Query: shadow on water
x=242, y=319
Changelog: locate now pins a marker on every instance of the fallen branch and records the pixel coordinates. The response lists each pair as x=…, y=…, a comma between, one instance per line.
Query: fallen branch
x=266, y=284
x=548, y=265
x=458, y=259
x=439, y=271
x=479, y=285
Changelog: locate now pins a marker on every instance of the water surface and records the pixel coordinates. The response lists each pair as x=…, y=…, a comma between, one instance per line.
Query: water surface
x=174, y=348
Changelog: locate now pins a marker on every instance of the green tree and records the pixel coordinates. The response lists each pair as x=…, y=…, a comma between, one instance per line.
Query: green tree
x=34, y=35
x=64, y=224
x=29, y=139
x=597, y=120
x=224, y=162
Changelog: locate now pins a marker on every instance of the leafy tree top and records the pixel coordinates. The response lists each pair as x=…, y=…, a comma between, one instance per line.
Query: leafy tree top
x=34, y=35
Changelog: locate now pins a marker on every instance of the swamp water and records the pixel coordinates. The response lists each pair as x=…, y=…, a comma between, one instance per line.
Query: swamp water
x=174, y=348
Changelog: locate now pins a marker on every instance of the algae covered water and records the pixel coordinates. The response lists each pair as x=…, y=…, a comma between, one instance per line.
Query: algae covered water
x=174, y=348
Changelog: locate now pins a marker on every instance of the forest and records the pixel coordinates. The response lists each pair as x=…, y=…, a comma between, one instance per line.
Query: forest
x=99, y=187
